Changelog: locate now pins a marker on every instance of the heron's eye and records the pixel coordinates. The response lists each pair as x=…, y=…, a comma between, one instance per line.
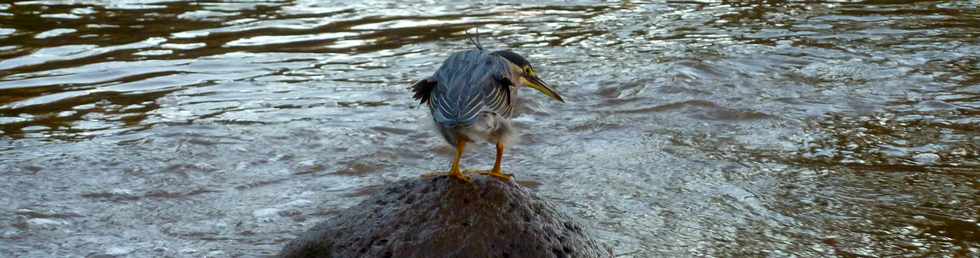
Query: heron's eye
x=528, y=70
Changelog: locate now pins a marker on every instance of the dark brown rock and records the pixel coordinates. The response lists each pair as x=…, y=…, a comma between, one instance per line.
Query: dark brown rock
x=442, y=217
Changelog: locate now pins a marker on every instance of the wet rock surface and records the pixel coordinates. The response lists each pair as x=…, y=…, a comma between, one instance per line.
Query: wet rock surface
x=442, y=217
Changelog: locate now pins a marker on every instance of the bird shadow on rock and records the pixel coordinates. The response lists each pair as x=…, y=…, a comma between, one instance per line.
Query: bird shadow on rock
x=437, y=216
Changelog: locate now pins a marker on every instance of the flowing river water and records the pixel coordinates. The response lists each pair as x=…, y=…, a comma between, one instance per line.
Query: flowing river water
x=173, y=128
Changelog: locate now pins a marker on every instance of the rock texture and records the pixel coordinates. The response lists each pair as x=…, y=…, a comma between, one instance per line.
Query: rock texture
x=441, y=217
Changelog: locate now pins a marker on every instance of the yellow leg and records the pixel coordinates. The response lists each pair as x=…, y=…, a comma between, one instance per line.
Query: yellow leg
x=496, y=172
x=455, y=172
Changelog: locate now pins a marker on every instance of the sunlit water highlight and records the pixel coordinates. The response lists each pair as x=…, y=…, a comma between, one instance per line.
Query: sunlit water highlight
x=692, y=128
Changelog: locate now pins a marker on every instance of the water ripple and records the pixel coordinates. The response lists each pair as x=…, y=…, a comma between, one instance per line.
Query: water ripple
x=692, y=128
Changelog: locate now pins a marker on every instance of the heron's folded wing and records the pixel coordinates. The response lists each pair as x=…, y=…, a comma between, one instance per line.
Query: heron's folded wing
x=498, y=95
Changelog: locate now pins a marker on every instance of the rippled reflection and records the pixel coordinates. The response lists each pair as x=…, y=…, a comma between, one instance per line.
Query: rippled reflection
x=693, y=128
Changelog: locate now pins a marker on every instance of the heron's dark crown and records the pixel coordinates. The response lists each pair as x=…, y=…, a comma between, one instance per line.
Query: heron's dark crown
x=514, y=58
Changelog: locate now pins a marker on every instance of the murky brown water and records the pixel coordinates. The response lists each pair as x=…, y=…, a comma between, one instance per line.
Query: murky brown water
x=171, y=128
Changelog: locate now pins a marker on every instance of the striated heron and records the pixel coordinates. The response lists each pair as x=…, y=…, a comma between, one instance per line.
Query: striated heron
x=472, y=97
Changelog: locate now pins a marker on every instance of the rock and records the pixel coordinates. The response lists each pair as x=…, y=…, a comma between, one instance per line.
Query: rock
x=442, y=217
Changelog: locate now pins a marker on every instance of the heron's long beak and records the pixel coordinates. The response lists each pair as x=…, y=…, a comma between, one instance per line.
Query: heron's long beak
x=537, y=84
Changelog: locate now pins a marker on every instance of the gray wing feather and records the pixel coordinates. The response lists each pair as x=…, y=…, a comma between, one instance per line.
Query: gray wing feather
x=470, y=83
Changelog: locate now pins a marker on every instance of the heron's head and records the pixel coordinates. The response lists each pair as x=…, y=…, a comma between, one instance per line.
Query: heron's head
x=526, y=73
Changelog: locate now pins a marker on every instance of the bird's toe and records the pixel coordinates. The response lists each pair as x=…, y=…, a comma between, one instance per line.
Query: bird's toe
x=461, y=177
x=499, y=175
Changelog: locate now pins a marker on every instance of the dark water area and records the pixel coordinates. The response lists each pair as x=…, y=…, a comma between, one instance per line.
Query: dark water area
x=691, y=128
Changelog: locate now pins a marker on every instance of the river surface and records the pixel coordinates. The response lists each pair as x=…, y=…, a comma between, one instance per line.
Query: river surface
x=143, y=128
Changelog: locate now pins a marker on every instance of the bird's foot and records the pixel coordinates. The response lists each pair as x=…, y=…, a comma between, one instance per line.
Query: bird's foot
x=459, y=176
x=498, y=175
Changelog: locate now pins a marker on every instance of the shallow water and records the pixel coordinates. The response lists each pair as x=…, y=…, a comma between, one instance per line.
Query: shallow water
x=692, y=128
